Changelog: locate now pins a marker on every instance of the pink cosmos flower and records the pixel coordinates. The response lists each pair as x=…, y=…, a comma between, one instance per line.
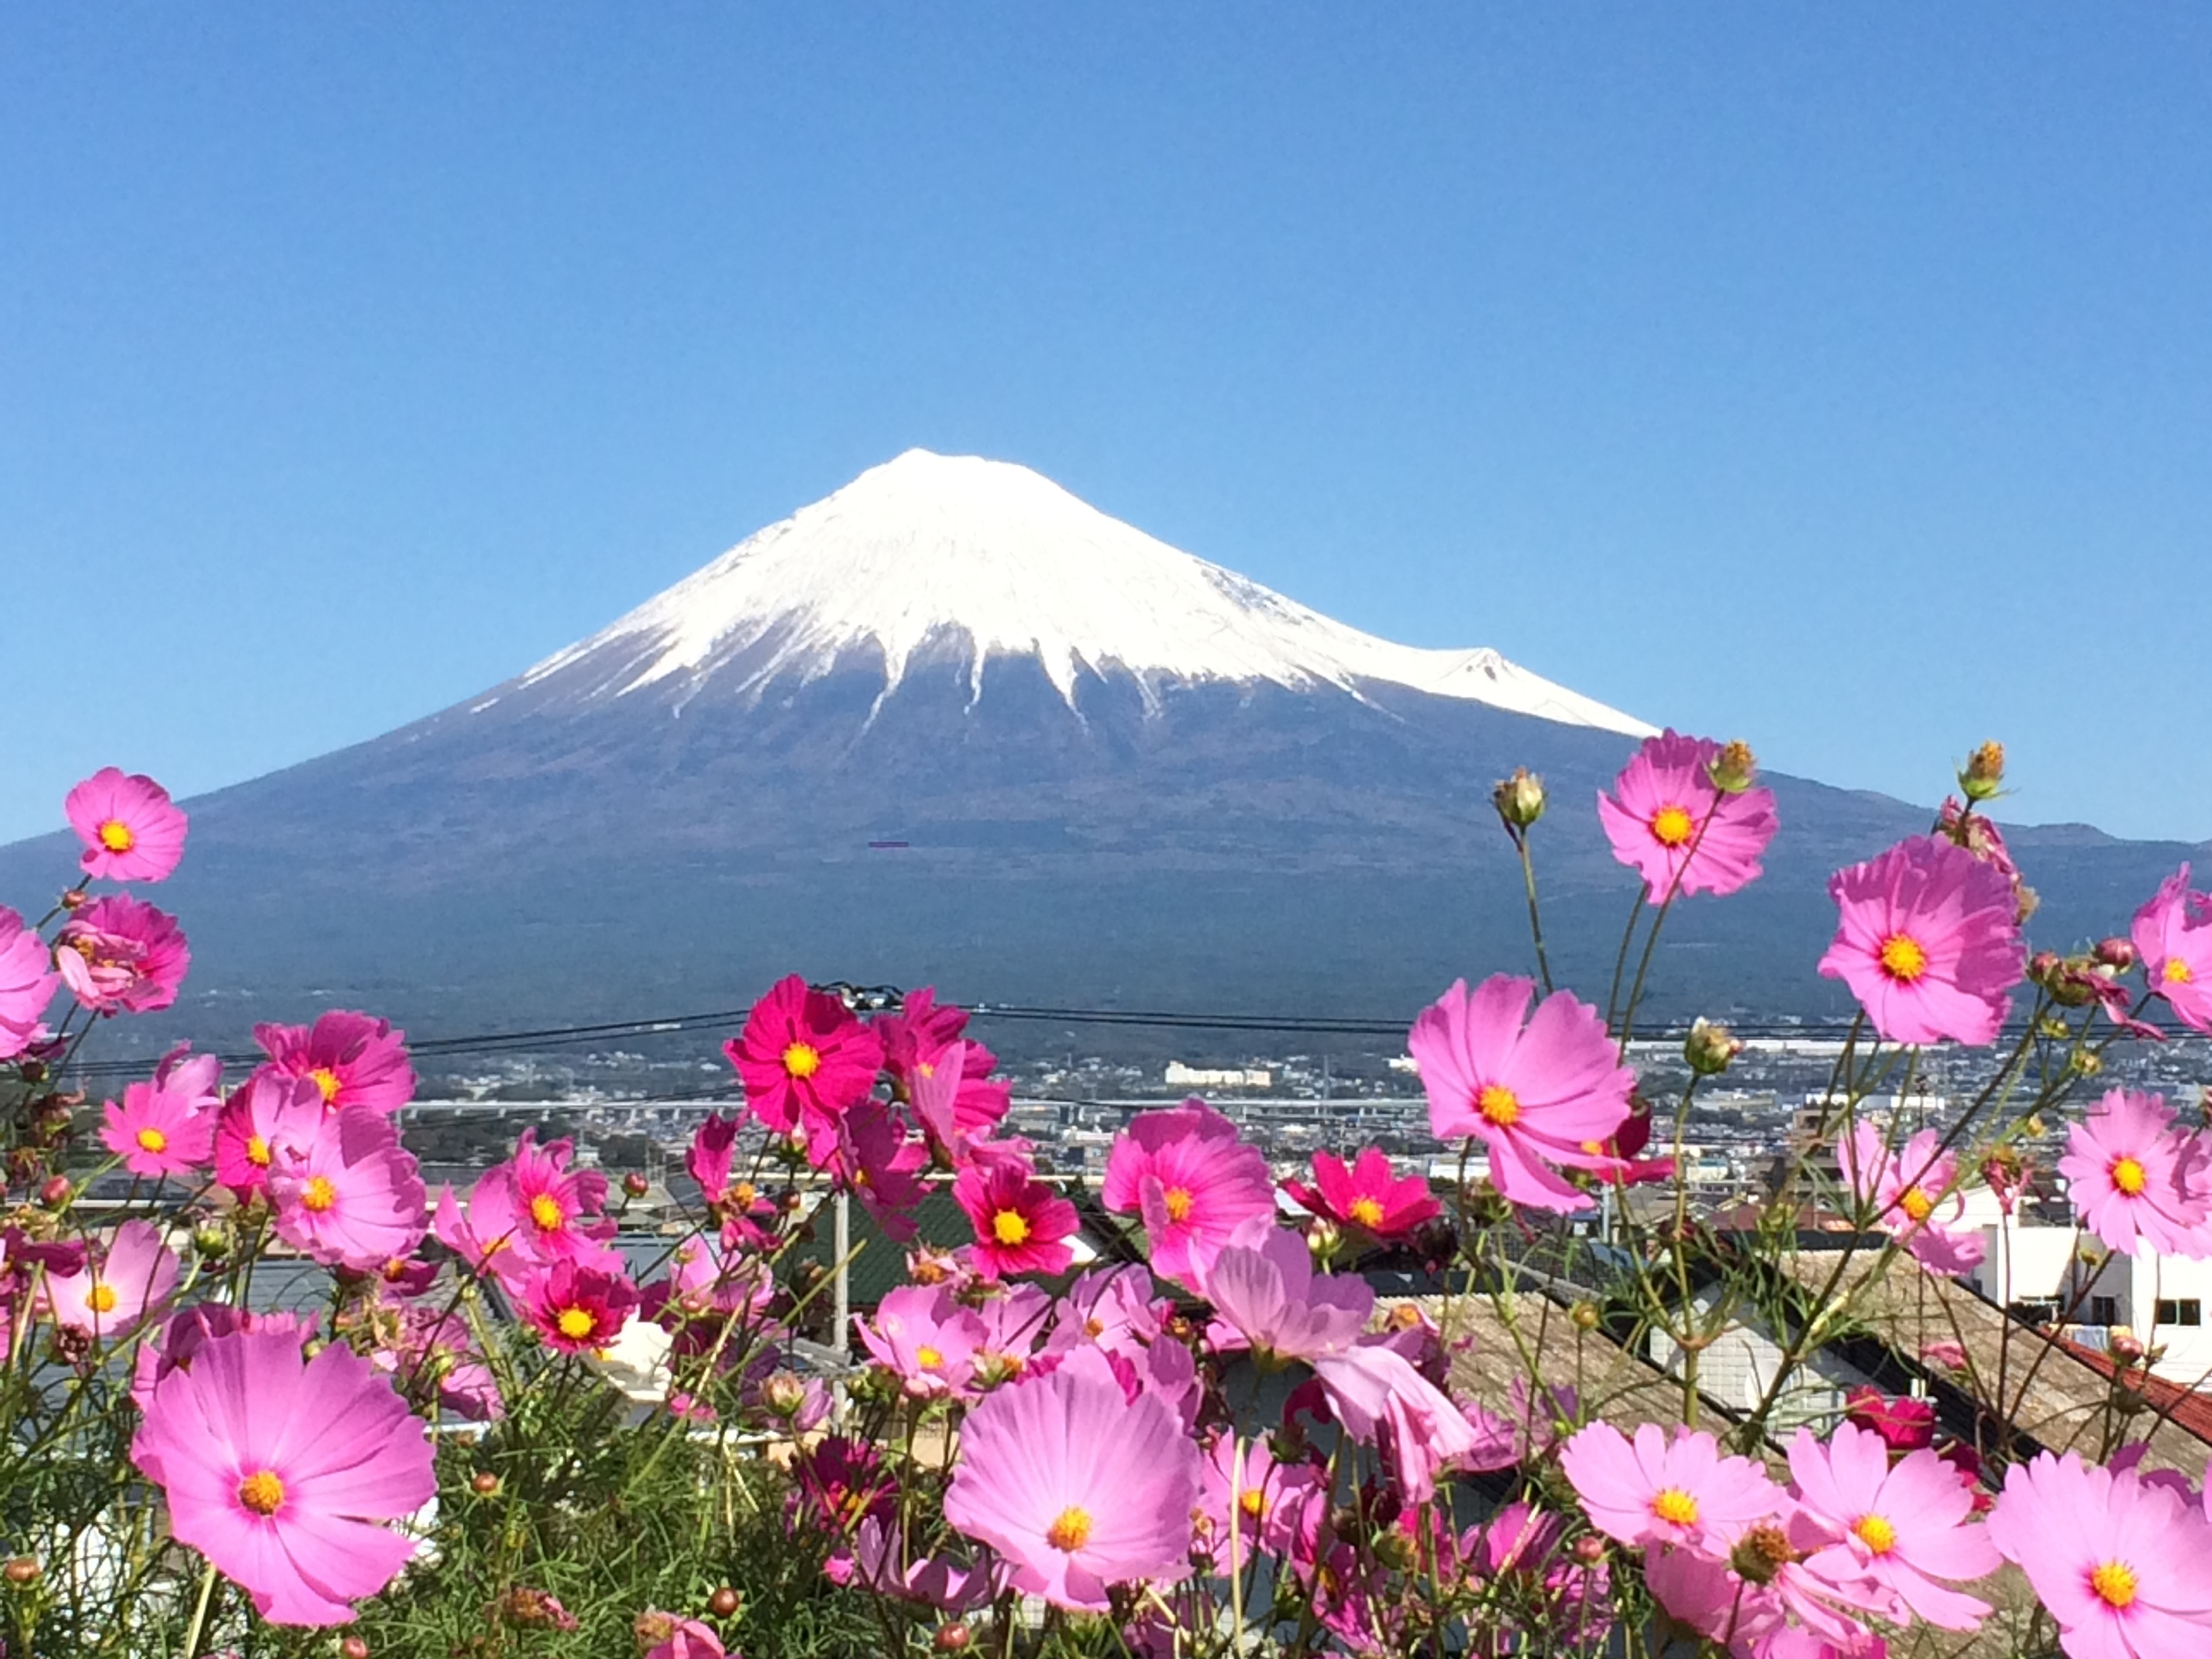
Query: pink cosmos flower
x=353, y=1059
x=1649, y=1492
x=1927, y=942
x=1751, y=1618
x=675, y=1638
x=2173, y=936
x=1915, y=1195
x=27, y=984
x=1111, y=1308
x=277, y=1469
x=2137, y=1180
x=1379, y=1397
x=485, y=1236
x=559, y=1208
x=709, y=1161
x=578, y=1309
x=1077, y=1486
x=156, y=1131
x=1273, y=1504
x=1014, y=1318
x=354, y=1198
x=118, y=1287
x=186, y=1333
x=921, y=1025
x=955, y=1105
x=1899, y=1421
x=131, y=829
x=878, y=1561
x=199, y=1077
x=868, y=1149
x=1022, y=1225
x=926, y=1339
x=1904, y=1526
x=269, y=1116
x=805, y=1060
x=118, y=954
x=2124, y=1566
x=1193, y=1181
x=1369, y=1196
x=1268, y=1298
x=1552, y=1093
x=1668, y=823
x=839, y=1481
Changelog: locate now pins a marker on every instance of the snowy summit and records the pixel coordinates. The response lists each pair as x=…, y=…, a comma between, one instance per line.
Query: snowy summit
x=928, y=553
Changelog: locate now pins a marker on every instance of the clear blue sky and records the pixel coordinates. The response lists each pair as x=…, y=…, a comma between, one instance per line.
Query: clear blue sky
x=1840, y=378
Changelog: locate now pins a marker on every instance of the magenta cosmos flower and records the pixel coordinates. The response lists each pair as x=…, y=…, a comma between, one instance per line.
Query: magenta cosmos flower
x=119, y=1286
x=925, y=1338
x=955, y=1104
x=1668, y=823
x=269, y=1116
x=157, y=1132
x=277, y=1469
x=1905, y=1526
x=1369, y=1196
x=27, y=984
x=1078, y=1486
x=2136, y=1179
x=1927, y=942
x=1194, y=1182
x=1551, y=1094
x=805, y=1060
x=2124, y=1566
x=117, y=953
x=1913, y=1196
x=131, y=829
x=1022, y=1225
x=559, y=1207
x=1647, y=1491
x=2172, y=937
x=355, y=1059
x=1269, y=1299
x=578, y=1309
x=354, y=1198
x=673, y=1637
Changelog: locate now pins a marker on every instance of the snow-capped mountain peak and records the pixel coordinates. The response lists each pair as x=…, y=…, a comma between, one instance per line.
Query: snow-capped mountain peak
x=934, y=552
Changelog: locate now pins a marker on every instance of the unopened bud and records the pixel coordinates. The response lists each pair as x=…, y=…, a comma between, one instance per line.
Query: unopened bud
x=1710, y=1047
x=2124, y=1345
x=723, y=1603
x=56, y=1193
x=637, y=1185
x=1325, y=1239
x=1392, y=1549
x=1734, y=769
x=2044, y=966
x=1520, y=798
x=2086, y=1063
x=1761, y=1554
x=1585, y=1315
x=353, y=1648
x=75, y=899
x=23, y=1569
x=484, y=1483
x=1984, y=773
x=211, y=1241
x=2034, y=1126
x=1589, y=1549
x=783, y=1393
x=2118, y=954
x=952, y=1638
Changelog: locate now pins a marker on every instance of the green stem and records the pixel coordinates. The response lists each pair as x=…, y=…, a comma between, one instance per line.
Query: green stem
x=200, y=1612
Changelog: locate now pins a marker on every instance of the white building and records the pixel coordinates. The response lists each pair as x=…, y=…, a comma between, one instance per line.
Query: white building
x=1179, y=1076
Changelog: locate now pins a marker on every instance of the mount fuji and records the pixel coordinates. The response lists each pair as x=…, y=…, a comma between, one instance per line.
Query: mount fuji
x=951, y=725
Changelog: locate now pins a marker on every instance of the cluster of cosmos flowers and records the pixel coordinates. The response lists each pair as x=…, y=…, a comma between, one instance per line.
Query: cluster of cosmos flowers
x=1179, y=1407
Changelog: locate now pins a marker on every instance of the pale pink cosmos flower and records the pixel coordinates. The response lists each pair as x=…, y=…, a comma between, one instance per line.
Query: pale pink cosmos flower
x=278, y=1469
x=1752, y=1619
x=1115, y=1308
x=131, y=829
x=353, y=1059
x=1267, y=1298
x=118, y=954
x=1668, y=823
x=1905, y=1526
x=953, y=1100
x=1551, y=1093
x=1381, y=1399
x=2124, y=1566
x=1647, y=1492
x=1927, y=942
x=1195, y=1184
x=120, y=1285
x=2173, y=936
x=1014, y=1317
x=879, y=1560
x=1078, y=1486
x=926, y=1339
x=1914, y=1194
x=1271, y=1507
x=27, y=984
x=268, y=1116
x=1369, y=1194
x=157, y=1132
x=354, y=1198
x=485, y=1235
x=186, y=1333
x=2136, y=1179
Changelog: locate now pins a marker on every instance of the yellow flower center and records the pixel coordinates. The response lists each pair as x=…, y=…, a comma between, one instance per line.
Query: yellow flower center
x=1916, y=1204
x=326, y=1083
x=545, y=1210
x=1010, y=1227
x=1366, y=1211
x=1178, y=1208
x=575, y=1323
x=1671, y=826
x=101, y=1297
x=743, y=1194
x=115, y=835
x=1903, y=958
x=1251, y=1502
x=1070, y=1529
x=257, y=1150
x=2176, y=972
x=802, y=1061
x=1675, y=1507
x=1875, y=1532
x=1499, y=1105
x=929, y=1359
x=2113, y=1582
x=2128, y=1176
x=320, y=1194
x=262, y=1492
x=153, y=1139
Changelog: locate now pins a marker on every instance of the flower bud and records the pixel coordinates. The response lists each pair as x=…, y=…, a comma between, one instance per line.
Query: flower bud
x=1761, y=1554
x=23, y=1569
x=782, y=1394
x=1589, y=1549
x=2124, y=1345
x=2118, y=954
x=353, y=1648
x=1325, y=1239
x=1709, y=1048
x=635, y=1185
x=212, y=1241
x=56, y=1193
x=723, y=1603
x=2034, y=1126
x=1734, y=769
x=1519, y=799
x=952, y=1638
x=2086, y=1063
x=1584, y=1315
x=2044, y=967
x=484, y=1483
x=1984, y=772
x=75, y=899
x=1392, y=1549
